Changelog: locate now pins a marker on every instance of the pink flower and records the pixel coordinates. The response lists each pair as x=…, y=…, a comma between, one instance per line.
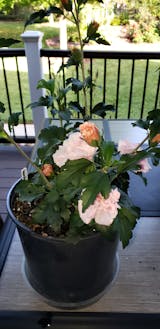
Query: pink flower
x=126, y=147
x=73, y=148
x=89, y=132
x=145, y=166
x=103, y=211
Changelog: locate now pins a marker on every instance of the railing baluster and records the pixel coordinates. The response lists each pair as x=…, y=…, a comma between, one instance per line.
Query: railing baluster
x=7, y=91
x=104, y=80
x=117, y=92
x=144, y=88
x=131, y=88
x=49, y=68
x=157, y=93
x=21, y=97
x=91, y=90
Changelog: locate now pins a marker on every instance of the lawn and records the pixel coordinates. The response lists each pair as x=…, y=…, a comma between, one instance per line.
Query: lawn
x=15, y=29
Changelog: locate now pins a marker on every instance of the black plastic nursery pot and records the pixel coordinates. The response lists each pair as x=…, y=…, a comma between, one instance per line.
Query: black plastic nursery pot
x=69, y=275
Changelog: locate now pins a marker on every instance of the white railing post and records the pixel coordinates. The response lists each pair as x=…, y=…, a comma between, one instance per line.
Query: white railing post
x=33, y=44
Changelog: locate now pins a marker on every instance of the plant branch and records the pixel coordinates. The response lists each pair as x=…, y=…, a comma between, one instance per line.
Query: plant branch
x=76, y=19
x=141, y=143
x=11, y=140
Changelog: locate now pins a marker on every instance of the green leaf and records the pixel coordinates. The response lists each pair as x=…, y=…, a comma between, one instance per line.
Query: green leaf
x=73, y=172
x=65, y=115
x=130, y=161
x=101, y=108
x=125, y=222
x=2, y=108
x=43, y=101
x=36, y=17
x=13, y=120
x=52, y=133
x=2, y=132
x=7, y=42
x=54, y=10
x=102, y=41
x=28, y=191
x=144, y=124
x=49, y=85
x=77, y=85
x=94, y=183
x=45, y=214
x=76, y=107
x=107, y=151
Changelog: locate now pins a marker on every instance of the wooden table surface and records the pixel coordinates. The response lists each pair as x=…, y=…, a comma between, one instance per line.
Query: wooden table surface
x=135, y=289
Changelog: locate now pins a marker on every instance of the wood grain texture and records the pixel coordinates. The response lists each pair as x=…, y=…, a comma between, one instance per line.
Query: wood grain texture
x=136, y=288
x=11, y=162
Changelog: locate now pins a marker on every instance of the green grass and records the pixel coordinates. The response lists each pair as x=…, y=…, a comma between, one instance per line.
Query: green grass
x=15, y=29
x=111, y=84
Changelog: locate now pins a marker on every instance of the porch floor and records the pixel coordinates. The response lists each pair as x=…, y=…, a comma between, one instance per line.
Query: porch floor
x=11, y=163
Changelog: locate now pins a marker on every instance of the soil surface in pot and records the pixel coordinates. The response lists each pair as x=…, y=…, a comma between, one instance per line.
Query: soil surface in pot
x=23, y=212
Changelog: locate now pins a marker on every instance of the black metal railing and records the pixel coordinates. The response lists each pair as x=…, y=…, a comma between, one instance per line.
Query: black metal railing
x=108, y=78
x=118, y=57
x=17, y=90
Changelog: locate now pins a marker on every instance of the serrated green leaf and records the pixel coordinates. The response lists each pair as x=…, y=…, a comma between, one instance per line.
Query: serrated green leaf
x=125, y=222
x=52, y=133
x=28, y=191
x=94, y=183
x=73, y=172
x=45, y=214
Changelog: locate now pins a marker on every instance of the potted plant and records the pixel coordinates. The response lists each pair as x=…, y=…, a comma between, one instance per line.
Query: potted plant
x=73, y=206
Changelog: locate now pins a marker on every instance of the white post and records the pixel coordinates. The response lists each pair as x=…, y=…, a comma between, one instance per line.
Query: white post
x=33, y=44
x=63, y=34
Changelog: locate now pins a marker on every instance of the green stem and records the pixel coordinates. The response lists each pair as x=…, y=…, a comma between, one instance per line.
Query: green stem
x=11, y=140
x=76, y=19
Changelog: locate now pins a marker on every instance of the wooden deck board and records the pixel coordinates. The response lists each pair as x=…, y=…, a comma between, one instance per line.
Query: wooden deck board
x=11, y=162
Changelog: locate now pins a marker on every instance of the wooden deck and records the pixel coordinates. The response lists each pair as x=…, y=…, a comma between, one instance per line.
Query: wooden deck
x=11, y=162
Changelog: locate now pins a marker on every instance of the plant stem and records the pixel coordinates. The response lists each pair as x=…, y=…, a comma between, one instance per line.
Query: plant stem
x=141, y=143
x=11, y=140
x=76, y=19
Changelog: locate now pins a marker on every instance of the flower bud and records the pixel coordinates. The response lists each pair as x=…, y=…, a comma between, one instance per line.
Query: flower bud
x=47, y=169
x=67, y=4
x=156, y=138
x=92, y=29
x=89, y=132
x=76, y=55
